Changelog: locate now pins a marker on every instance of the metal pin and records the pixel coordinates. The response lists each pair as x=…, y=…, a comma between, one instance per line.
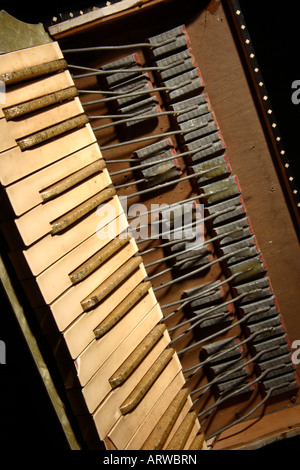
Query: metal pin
x=223, y=352
x=100, y=71
x=223, y=375
x=156, y=136
x=145, y=165
x=152, y=211
x=255, y=408
x=198, y=343
x=139, y=117
x=186, y=276
x=159, y=186
x=185, y=301
x=122, y=94
x=199, y=319
x=173, y=242
x=204, y=219
x=147, y=180
x=168, y=258
x=130, y=117
x=119, y=95
x=97, y=72
x=204, y=244
x=140, y=166
x=120, y=46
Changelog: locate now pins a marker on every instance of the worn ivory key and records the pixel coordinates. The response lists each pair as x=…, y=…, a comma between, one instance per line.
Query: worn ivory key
x=101, y=281
x=155, y=361
x=48, y=250
x=180, y=438
x=122, y=309
x=15, y=164
x=128, y=424
x=98, y=259
x=137, y=356
x=41, y=126
x=39, y=103
x=29, y=63
x=51, y=181
x=111, y=283
x=100, y=353
x=74, y=294
x=92, y=253
x=70, y=181
x=168, y=395
x=96, y=361
x=78, y=333
x=61, y=212
x=159, y=434
x=52, y=131
x=23, y=98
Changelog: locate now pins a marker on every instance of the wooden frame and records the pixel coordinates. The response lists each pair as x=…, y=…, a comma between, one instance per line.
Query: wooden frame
x=244, y=131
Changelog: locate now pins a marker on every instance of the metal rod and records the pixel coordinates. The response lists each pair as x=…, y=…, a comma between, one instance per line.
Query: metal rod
x=223, y=375
x=269, y=393
x=188, y=348
x=217, y=356
x=206, y=311
x=159, y=186
x=206, y=242
x=141, y=165
x=155, y=136
x=138, y=117
x=186, y=301
x=152, y=211
x=121, y=94
x=120, y=46
x=186, y=276
x=108, y=71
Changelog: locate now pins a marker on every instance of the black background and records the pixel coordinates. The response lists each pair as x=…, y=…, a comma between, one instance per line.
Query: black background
x=26, y=419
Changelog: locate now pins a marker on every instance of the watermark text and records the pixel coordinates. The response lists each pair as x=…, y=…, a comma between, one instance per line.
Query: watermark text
x=2, y=352
x=296, y=93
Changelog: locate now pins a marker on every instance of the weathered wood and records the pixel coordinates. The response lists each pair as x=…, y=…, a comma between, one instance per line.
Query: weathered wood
x=120, y=311
x=151, y=375
x=39, y=103
x=75, y=178
x=53, y=131
x=98, y=259
x=158, y=436
x=181, y=436
x=137, y=356
x=81, y=210
x=111, y=283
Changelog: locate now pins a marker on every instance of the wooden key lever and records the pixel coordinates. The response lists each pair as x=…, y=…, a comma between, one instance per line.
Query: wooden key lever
x=137, y=356
x=80, y=211
x=61, y=186
x=98, y=259
x=41, y=102
x=198, y=442
x=147, y=381
x=108, y=286
x=160, y=433
x=181, y=436
x=34, y=71
x=120, y=311
x=53, y=131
